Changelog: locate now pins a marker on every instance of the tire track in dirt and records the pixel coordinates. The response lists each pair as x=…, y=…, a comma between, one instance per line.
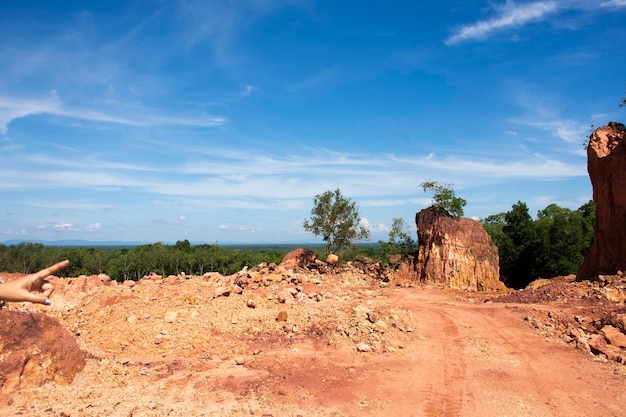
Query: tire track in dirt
x=494, y=364
x=540, y=375
x=447, y=395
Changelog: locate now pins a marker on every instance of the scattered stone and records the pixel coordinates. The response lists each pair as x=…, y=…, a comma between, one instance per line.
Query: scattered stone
x=172, y=279
x=614, y=336
x=251, y=303
x=332, y=259
x=282, y=316
x=299, y=258
x=363, y=347
x=286, y=295
x=170, y=316
x=221, y=291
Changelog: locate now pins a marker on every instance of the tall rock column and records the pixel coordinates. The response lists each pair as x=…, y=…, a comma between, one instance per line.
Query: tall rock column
x=456, y=252
x=606, y=164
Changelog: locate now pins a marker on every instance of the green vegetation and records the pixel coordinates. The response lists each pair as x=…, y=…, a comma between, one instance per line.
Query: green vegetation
x=336, y=219
x=400, y=241
x=122, y=263
x=554, y=244
x=134, y=263
x=444, y=198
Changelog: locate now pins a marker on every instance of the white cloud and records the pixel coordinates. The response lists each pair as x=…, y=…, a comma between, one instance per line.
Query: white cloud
x=248, y=90
x=238, y=228
x=510, y=15
x=93, y=227
x=513, y=15
x=568, y=130
x=373, y=228
x=614, y=3
x=21, y=232
x=179, y=220
x=274, y=182
x=15, y=108
x=61, y=227
x=394, y=202
x=12, y=108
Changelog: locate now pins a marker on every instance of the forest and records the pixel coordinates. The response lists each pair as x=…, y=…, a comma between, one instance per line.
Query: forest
x=552, y=244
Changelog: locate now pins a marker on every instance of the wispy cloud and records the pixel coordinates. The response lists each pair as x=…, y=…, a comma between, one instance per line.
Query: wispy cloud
x=513, y=15
x=570, y=131
x=614, y=3
x=69, y=227
x=93, y=227
x=274, y=182
x=509, y=15
x=220, y=23
x=13, y=108
x=373, y=228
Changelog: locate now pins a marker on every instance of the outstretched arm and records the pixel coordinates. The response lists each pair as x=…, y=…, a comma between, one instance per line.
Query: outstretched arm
x=33, y=288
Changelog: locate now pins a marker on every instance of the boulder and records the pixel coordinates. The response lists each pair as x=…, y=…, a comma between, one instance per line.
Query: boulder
x=332, y=259
x=606, y=164
x=35, y=349
x=455, y=252
x=299, y=258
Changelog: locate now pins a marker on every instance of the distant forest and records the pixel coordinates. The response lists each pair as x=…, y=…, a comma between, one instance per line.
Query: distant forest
x=134, y=262
x=553, y=244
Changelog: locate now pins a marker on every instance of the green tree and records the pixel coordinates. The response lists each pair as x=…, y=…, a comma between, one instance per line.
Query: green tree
x=518, y=249
x=494, y=225
x=400, y=241
x=559, y=237
x=552, y=245
x=336, y=219
x=445, y=198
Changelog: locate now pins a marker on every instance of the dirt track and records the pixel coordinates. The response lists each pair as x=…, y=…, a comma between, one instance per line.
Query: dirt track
x=433, y=354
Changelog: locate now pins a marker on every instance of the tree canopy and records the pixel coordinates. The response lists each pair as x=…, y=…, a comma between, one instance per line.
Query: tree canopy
x=552, y=245
x=400, y=241
x=336, y=219
x=445, y=198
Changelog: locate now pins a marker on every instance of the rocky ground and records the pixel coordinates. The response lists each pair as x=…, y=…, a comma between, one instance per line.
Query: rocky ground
x=334, y=341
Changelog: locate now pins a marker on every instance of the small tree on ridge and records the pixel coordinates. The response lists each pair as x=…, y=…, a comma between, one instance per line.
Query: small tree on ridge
x=444, y=198
x=336, y=219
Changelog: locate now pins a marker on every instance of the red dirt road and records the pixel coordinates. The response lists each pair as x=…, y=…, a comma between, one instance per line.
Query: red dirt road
x=458, y=359
x=469, y=360
x=482, y=360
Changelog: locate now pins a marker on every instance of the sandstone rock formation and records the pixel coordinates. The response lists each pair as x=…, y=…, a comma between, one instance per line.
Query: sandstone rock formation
x=299, y=258
x=606, y=164
x=35, y=349
x=455, y=252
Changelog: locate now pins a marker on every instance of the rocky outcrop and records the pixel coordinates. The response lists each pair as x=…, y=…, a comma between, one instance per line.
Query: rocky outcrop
x=606, y=164
x=35, y=349
x=299, y=258
x=455, y=252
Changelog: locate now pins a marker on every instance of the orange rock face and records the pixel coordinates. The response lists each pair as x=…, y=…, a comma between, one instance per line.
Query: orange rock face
x=456, y=252
x=606, y=165
x=35, y=349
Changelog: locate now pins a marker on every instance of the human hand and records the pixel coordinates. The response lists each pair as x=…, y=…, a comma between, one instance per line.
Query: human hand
x=33, y=288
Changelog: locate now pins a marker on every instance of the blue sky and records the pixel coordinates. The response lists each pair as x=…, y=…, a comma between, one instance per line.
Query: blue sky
x=219, y=121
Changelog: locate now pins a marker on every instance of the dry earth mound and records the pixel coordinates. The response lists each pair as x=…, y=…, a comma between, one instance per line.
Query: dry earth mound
x=335, y=340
